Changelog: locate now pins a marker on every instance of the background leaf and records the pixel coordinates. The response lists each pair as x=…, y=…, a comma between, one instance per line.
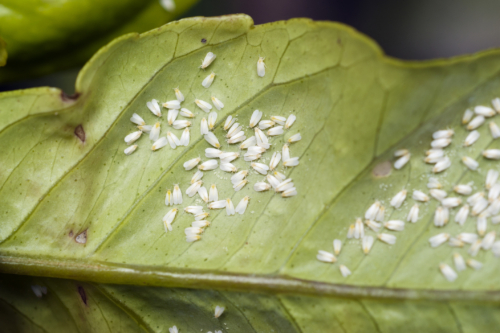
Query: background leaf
x=121, y=308
x=66, y=42
x=354, y=108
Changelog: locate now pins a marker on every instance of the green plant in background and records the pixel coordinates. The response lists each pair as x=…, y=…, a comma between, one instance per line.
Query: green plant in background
x=45, y=36
x=75, y=206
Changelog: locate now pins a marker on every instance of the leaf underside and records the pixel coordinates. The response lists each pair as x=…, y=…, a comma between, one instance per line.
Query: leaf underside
x=354, y=107
x=71, y=306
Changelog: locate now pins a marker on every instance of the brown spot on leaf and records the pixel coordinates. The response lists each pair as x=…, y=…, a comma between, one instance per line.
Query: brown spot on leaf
x=82, y=237
x=80, y=133
x=83, y=294
x=70, y=233
x=69, y=98
x=383, y=169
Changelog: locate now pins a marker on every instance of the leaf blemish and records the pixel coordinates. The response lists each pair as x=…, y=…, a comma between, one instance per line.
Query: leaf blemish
x=383, y=169
x=83, y=295
x=69, y=98
x=82, y=237
x=80, y=133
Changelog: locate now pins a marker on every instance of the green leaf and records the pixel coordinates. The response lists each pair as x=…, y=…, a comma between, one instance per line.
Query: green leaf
x=72, y=306
x=354, y=107
x=67, y=42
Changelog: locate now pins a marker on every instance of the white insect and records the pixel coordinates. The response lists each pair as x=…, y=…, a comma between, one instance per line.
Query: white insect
x=442, y=165
x=371, y=212
x=479, y=206
x=275, y=160
x=289, y=193
x=233, y=130
x=178, y=95
x=200, y=224
x=173, y=104
x=197, y=176
x=160, y=143
x=219, y=204
x=136, y=119
x=213, y=194
x=208, y=165
x=238, y=177
x=359, y=230
x=413, y=214
x=433, y=183
x=255, y=118
x=420, y=196
x=448, y=272
x=470, y=163
x=468, y=114
x=173, y=140
x=441, y=216
x=387, y=238
x=154, y=134
x=238, y=137
x=240, y=185
x=192, y=238
x=463, y=189
x=195, y=210
x=294, y=138
x=172, y=116
x=169, y=199
x=228, y=167
x=278, y=130
x=451, y=202
x=367, y=244
x=481, y=224
x=439, y=239
x=290, y=120
x=145, y=128
x=337, y=246
x=344, y=271
x=395, y=225
x=285, y=152
x=261, y=186
x=203, y=193
x=285, y=185
x=261, y=67
x=242, y=205
x=154, y=107
x=492, y=154
x=471, y=138
x=209, y=58
x=398, y=199
x=475, y=247
x=491, y=178
x=402, y=161
x=475, y=123
x=172, y=329
x=260, y=168
x=495, y=130
x=447, y=133
x=474, y=264
x=485, y=111
x=291, y=162
x=212, y=139
x=169, y=6
x=467, y=237
x=279, y=120
x=180, y=124
x=212, y=119
x=440, y=143
x=188, y=165
x=488, y=240
x=462, y=215
x=228, y=157
x=273, y=181
x=373, y=225
x=39, y=291
x=473, y=199
x=168, y=219
x=201, y=216
x=219, y=310
x=496, y=104
x=186, y=113
x=207, y=82
x=203, y=105
x=229, y=122
x=229, y=207
x=262, y=140
x=132, y=137
x=217, y=103
x=212, y=153
x=325, y=256
x=193, y=189
x=459, y=262
x=177, y=196
x=130, y=150
x=184, y=141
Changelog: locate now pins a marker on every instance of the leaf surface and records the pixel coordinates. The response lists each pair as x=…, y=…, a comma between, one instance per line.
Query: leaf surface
x=66, y=42
x=121, y=308
x=354, y=108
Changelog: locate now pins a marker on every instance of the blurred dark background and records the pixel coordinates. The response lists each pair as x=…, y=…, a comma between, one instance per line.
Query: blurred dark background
x=406, y=29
